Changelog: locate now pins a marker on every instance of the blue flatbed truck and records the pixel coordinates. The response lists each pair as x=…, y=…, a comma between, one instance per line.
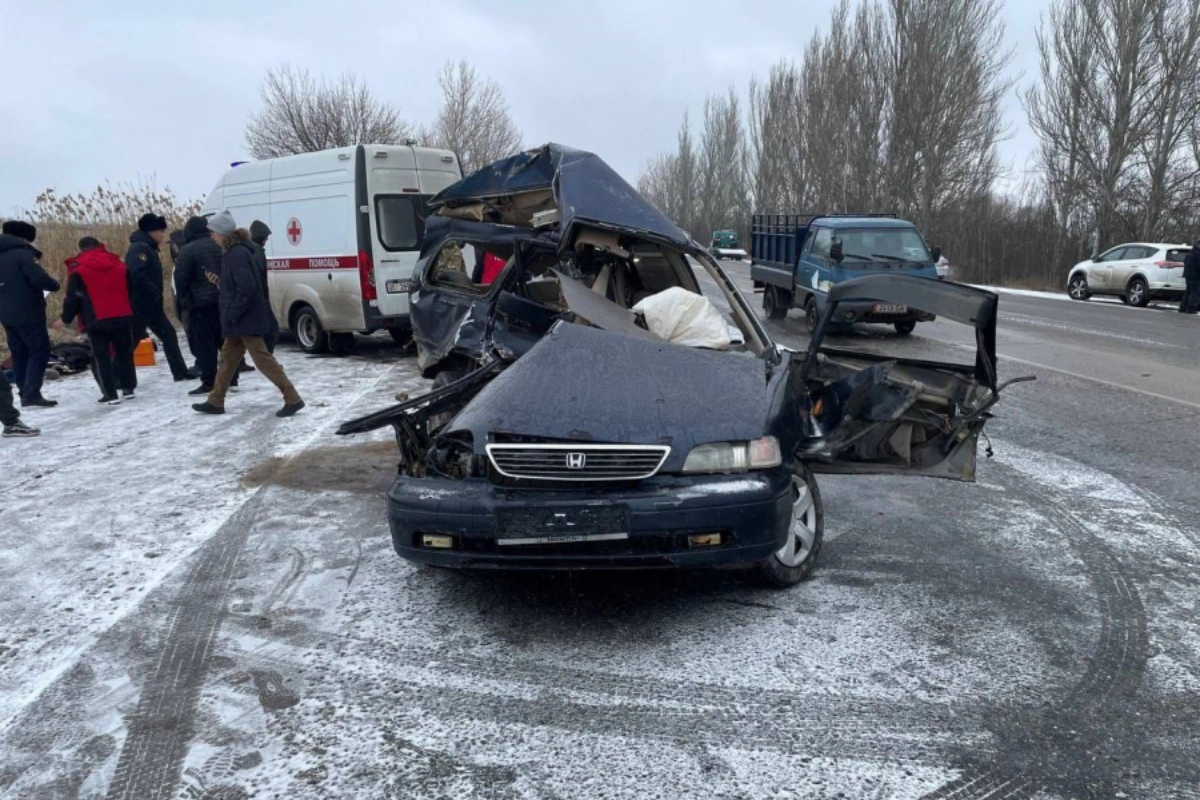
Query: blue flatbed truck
x=796, y=258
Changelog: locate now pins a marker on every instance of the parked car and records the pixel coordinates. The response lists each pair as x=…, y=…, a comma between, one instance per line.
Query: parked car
x=797, y=258
x=570, y=435
x=347, y=227
x=1137, y=272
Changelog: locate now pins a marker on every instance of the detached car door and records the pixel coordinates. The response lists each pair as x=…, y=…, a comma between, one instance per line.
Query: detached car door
x=872, y=414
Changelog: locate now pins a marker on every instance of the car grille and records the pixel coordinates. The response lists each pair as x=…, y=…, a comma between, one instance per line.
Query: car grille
x=577, y=462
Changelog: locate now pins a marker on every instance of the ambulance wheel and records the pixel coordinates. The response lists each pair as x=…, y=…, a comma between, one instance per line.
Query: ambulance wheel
x=310, y=333
x=401, y=336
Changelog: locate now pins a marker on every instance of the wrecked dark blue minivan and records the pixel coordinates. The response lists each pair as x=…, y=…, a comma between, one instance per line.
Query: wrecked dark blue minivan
x=605, y=398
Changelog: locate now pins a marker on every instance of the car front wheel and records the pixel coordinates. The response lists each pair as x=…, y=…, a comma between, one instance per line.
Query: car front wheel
x=794, y=561
x=1138, y=294
x=1077, y=288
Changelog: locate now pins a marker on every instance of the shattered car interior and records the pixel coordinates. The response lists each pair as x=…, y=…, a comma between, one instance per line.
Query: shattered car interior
x=586, y=352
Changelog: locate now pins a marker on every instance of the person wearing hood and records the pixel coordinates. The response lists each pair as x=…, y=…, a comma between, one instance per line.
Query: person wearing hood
x=244, y=319
x=98, y=294
x=1190, y=302
x=23, y=288
x=197, y=278
x=146, y=291
x=259, y=234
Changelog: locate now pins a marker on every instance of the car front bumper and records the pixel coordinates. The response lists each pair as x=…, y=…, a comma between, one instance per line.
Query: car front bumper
x=752, y=512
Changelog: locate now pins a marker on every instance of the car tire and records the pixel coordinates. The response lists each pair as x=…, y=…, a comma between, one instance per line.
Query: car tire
x=775, y=303
x=1077, y=287
x=401, y=336
x=1137, y=293
x=906, y=327
x=443, y=378
x=310, y=333
x=811, y=315
x=794, y=561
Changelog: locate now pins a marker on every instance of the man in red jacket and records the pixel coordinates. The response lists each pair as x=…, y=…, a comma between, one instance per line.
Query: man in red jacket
x=98, y=293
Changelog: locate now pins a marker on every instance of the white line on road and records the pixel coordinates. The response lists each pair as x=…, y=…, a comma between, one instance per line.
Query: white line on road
x=1046, y=323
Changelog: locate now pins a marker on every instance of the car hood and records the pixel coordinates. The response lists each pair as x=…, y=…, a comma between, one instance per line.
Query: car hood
x=585, y=384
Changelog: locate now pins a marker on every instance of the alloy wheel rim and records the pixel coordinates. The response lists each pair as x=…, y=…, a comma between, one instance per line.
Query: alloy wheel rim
x=1135, y=293
x=802, y=528
x=1077, y=288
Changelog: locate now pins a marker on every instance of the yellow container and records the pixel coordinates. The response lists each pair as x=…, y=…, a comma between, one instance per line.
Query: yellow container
x=143, y=354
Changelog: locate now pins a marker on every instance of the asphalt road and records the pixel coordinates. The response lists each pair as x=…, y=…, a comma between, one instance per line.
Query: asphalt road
x=1032, y=635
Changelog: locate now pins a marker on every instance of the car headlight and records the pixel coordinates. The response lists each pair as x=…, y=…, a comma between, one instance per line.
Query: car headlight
x=734, y=456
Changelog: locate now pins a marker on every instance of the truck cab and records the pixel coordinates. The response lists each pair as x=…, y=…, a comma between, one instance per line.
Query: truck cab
x=725, y=245
x=797, y=259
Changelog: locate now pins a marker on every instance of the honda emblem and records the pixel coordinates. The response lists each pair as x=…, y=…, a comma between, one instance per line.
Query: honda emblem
x=576, y=460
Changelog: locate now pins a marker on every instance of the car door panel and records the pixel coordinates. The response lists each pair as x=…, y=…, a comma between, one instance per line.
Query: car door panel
x=1123, y=269
x=872, y=414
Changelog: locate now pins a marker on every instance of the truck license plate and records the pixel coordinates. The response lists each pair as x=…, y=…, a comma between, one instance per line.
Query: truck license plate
x=889, y=308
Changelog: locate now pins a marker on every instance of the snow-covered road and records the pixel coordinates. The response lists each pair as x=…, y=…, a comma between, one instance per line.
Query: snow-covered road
x=209, y=608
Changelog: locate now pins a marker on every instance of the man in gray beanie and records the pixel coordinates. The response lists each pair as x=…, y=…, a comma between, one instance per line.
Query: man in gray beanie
x=245, y=319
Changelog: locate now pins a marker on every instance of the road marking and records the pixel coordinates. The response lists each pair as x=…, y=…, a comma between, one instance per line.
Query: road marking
x=1046, y=323
x=1101, y=381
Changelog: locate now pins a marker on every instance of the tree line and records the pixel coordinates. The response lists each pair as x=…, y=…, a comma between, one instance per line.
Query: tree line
x=302, y=113
x=897, y=107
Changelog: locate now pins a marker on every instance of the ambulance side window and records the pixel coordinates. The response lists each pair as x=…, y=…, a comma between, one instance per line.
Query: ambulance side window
x=400, y=222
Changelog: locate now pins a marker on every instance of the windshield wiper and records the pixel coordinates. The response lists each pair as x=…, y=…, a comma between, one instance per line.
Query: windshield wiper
x=887, y=257
x=856, y=257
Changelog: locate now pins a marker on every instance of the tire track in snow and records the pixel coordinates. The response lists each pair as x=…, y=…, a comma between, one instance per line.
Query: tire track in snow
x=1062, y=743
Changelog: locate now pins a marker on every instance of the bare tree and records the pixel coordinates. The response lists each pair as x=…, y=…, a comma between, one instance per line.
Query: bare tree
x=301, y=114
x=722, y=200
x=474, y=121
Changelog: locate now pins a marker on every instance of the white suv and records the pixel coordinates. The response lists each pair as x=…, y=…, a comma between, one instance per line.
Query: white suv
x=1136, y=272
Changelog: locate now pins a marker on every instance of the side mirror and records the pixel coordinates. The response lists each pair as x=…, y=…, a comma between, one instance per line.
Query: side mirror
x=936, y=252
x=1096, y=258
x=835, y=251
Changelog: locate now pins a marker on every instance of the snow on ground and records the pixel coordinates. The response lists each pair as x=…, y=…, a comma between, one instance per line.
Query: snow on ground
x=943, y=619
x=110, y=499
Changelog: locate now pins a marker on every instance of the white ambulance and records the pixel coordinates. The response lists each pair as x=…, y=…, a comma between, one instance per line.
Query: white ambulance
x=346, y=230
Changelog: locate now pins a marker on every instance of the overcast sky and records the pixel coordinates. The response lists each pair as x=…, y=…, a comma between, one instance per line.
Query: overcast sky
x=114, y=91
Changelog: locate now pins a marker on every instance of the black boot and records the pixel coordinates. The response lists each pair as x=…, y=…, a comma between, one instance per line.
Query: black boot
x=207, y=408
x=290, y=409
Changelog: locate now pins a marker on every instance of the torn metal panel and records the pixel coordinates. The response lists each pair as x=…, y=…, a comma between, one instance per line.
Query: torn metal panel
x=586, y=192
x=599, y=310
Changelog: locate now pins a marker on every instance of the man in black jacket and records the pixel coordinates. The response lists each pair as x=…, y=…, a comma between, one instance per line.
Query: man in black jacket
x=197, y=277
x=259, y=234
x=245, y=319
x=23, y=284
x=1191, y=276
x=146, y=291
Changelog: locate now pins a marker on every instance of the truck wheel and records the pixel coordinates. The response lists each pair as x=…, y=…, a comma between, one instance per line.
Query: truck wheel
x=401, y=336
x=906, y=327
x=310, y=333
x=811, y=315
x=775, y=303
x=794, y=561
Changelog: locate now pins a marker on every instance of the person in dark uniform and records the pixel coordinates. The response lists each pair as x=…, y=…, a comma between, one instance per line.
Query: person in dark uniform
x=23, y=288
x=259, y=234
x=146, y=291
x=197, y=282
x=1191, y=276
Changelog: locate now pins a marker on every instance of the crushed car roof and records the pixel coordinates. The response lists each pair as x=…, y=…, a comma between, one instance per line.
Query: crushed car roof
x=586, y=192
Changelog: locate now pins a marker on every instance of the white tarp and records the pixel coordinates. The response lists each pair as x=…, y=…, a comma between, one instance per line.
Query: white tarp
x=686, y=318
